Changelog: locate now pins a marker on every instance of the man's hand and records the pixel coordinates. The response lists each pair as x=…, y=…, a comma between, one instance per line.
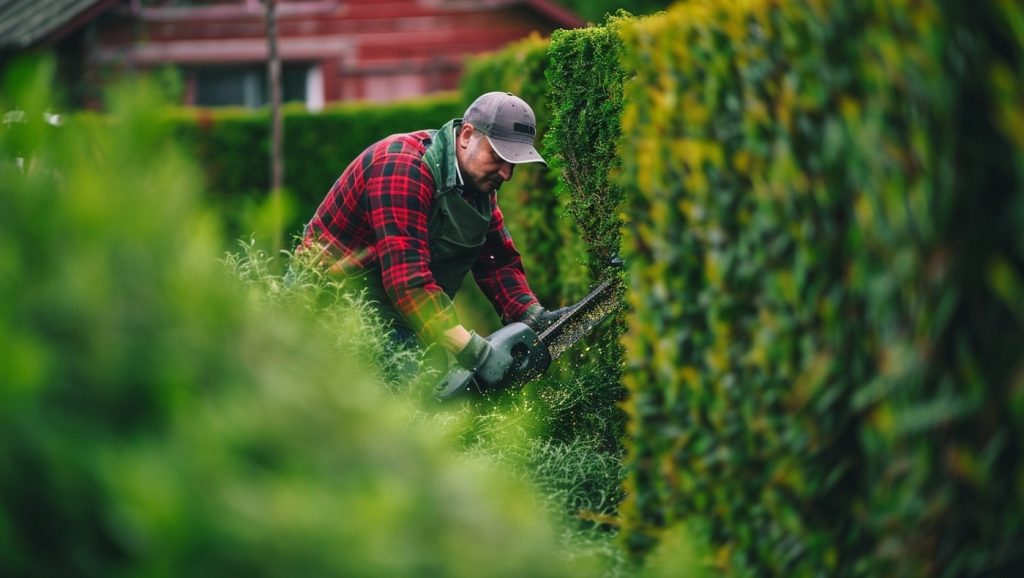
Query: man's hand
x=538, y=318
x=487, y=363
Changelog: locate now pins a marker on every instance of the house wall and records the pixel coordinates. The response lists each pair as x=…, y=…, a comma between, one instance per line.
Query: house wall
x=351, y=49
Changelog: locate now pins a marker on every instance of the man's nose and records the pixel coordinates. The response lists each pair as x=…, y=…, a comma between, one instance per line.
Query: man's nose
x=506, y=170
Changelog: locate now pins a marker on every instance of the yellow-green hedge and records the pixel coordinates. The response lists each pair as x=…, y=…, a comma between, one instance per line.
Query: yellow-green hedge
x=825, y=355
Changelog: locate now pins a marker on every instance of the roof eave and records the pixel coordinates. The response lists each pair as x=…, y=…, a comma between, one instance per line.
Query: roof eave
x=71, y=26
x=558, y=14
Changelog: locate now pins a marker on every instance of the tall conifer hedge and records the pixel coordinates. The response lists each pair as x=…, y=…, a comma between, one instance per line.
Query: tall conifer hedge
x=534, y=210
x=826, y=355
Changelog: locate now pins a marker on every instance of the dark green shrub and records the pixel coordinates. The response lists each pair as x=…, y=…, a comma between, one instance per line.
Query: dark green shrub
x=585, y=85
x=233, y=148
x=824, y=359
x=157, y=419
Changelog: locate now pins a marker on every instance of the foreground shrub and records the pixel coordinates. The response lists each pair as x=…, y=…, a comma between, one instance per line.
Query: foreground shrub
x=158, y=419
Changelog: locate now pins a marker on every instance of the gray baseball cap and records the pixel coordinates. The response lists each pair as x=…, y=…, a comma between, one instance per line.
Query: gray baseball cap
x=509, y=124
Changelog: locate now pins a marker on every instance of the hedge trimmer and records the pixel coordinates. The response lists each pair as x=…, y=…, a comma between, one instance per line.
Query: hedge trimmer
x=532, y=353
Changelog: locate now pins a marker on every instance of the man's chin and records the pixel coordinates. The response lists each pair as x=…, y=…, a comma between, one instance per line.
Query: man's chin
x=486, y=188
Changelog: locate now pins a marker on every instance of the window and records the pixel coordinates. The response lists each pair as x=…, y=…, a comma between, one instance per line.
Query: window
x=246, y=85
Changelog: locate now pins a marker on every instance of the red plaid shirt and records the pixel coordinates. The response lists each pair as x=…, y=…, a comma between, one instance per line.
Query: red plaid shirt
x=376, y=214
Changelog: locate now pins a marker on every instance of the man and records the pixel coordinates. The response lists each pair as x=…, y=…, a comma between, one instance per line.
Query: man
x=416, y=212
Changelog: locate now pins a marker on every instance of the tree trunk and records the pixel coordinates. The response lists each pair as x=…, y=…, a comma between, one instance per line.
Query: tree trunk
x=276, y=131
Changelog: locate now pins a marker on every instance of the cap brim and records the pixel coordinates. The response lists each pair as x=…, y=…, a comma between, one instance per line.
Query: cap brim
x=516, y=152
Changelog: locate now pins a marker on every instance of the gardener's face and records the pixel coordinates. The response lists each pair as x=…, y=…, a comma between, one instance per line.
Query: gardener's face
x=481, y=167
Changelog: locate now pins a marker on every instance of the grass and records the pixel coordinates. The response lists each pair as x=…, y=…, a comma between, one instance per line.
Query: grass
x=576, y=477
x=354, y=325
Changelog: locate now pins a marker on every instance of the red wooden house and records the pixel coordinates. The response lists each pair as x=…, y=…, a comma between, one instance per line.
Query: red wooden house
x=331, y=50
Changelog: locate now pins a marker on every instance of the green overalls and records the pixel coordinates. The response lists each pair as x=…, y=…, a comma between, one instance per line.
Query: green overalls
x=456, y=227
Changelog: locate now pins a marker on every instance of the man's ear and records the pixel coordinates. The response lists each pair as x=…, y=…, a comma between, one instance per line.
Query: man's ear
x=465, y=133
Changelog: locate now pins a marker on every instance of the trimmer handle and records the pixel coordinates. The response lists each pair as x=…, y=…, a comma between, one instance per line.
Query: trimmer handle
x=456, y=381
x=530, y=358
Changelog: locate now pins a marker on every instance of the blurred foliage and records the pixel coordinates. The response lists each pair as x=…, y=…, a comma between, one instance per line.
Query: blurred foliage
x=826, y=354
x=681, y=551
x=157, y=418
x=569, y=476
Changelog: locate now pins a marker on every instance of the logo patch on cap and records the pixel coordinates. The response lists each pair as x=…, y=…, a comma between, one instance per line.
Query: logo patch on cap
x=524, y=128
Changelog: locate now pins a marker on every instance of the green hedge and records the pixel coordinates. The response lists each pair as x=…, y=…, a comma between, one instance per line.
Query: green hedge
x=826, y=350
x=233, y=146
x=586, y=83
x=156, y=419
x=585, y=86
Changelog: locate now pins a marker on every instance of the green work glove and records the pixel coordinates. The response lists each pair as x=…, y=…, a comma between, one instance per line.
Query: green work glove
x=538, y=318
x=489, y=365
